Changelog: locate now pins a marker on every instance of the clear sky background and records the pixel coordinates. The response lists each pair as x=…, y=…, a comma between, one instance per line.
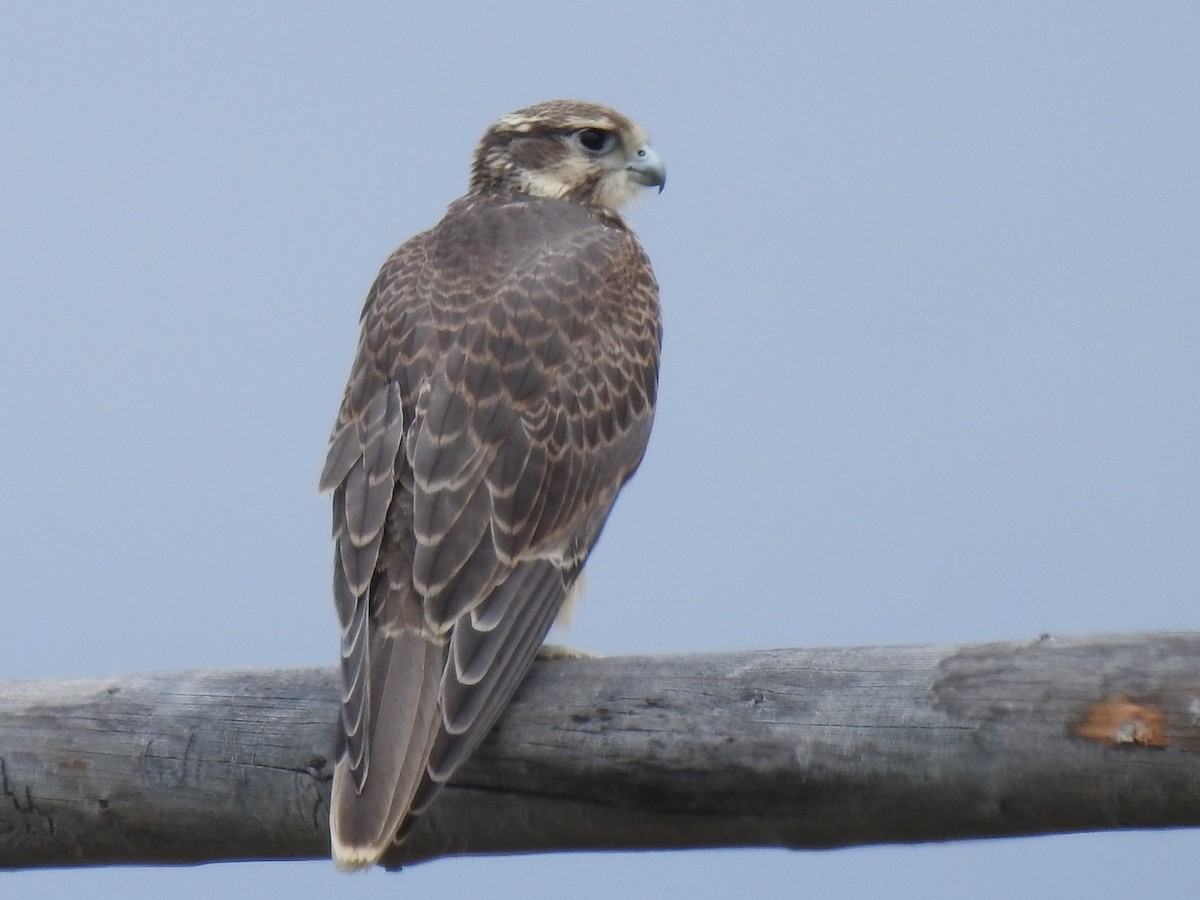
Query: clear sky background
x=930, y=275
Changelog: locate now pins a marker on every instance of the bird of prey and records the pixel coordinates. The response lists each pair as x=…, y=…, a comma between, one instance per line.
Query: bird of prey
x=502, y=393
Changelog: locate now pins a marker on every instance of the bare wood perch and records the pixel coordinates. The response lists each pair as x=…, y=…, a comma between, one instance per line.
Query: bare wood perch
x=786, y=748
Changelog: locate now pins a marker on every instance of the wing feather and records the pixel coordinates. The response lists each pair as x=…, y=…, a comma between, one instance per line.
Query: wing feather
x=470, y=710
x=477, y=639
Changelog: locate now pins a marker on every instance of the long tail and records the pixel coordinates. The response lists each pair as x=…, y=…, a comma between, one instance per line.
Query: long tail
x=382, y=768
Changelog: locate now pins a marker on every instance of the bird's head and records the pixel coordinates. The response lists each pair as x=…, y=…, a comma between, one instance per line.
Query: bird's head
x=567, y=149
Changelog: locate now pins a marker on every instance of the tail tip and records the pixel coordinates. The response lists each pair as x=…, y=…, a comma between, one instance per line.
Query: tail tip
x=355, y=859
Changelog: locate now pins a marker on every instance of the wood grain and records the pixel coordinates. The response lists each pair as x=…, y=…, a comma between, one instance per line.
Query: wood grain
x=783, y=748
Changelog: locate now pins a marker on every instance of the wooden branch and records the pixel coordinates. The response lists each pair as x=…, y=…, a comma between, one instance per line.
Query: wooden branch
x=786, y=748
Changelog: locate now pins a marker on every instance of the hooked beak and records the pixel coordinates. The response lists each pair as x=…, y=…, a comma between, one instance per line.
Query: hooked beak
x=647, y=168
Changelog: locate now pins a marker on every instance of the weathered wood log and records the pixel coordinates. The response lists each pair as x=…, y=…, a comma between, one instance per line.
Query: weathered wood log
x=784, y=748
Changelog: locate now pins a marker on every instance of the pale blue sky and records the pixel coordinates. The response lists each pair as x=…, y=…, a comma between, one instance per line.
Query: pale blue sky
x=930, y=275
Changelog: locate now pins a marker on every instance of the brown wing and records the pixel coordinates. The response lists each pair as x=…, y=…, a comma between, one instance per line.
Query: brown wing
x=502, y=394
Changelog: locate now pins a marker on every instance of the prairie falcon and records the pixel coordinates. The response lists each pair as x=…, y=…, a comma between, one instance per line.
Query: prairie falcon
x=502, y=393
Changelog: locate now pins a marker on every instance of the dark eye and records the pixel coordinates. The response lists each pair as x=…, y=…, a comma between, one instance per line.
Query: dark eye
x=595, y=141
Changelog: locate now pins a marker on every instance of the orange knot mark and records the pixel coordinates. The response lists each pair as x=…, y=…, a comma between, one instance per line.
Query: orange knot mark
x=1119, y=721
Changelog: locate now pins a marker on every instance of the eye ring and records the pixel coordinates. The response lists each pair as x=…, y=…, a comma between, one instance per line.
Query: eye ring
x=595, y=141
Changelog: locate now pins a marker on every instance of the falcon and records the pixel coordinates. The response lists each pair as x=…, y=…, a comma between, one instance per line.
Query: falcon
x=502, y=393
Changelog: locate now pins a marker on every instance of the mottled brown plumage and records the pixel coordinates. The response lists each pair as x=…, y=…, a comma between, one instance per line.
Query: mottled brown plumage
x=502, y=393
